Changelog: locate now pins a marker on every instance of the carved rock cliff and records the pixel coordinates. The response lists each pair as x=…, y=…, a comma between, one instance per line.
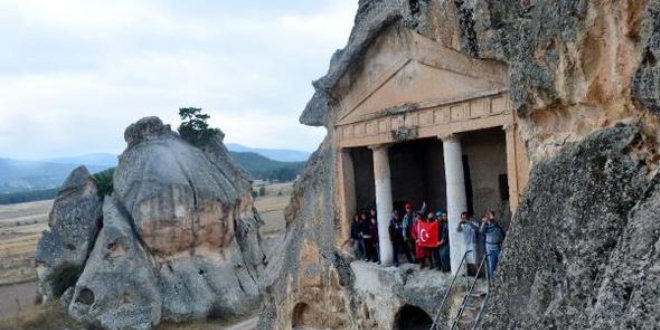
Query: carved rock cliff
x=584, y=79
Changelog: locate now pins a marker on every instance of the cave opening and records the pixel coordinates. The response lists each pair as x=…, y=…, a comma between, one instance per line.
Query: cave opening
x=300, y=316
x=412, y=318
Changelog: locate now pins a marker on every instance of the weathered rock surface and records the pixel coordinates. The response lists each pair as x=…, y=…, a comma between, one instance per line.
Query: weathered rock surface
x=577, y=256
x=73, y=223
x=584, y=79
x=119, y=287
x=180, y=237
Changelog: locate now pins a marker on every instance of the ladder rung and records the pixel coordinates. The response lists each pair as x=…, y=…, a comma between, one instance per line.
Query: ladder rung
x=478, y=294
x=468, y=320
x=472, y=307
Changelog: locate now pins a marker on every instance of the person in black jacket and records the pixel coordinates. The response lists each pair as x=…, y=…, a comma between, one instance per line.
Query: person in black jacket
x=365, y=232
x=443, y=243
x=356, y=236
x=396, y=230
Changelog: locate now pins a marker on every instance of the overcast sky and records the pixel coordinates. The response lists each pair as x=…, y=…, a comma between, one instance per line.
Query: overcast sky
x=75, y=73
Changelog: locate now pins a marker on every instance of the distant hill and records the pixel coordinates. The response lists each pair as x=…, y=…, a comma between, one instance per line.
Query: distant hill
x=281, y=155
x=19, y=176
x=22, y=175
x=262, y=168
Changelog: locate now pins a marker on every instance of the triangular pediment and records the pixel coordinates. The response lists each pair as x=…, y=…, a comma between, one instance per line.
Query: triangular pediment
x=402, y=68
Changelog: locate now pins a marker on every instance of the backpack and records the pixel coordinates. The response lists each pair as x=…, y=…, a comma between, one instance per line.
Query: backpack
x=501, y=230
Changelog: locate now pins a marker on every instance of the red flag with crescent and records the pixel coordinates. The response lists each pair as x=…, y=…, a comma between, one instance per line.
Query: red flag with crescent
x=428, y=233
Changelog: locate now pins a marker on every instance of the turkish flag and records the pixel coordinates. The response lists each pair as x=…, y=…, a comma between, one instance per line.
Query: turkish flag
x=428, y=233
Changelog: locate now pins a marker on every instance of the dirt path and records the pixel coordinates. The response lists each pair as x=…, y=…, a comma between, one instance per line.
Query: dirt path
x=9, y=295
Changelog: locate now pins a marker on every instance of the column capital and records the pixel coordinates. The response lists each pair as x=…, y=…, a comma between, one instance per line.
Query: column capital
x=382, y=146
x=508, y=127
x=449, y=138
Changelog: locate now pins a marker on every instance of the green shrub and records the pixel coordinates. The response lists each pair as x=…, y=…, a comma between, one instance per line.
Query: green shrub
x=104, y=181
x=63, y=277
x=194, y=127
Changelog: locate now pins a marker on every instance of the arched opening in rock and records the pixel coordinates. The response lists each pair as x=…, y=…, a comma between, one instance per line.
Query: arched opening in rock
x=300, y=317
x=86, y=297
x=412, y=318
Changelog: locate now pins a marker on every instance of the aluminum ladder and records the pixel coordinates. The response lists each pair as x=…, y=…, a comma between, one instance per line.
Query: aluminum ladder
x=472, y=302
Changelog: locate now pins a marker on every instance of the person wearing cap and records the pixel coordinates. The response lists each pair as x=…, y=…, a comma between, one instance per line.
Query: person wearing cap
x=408, y=221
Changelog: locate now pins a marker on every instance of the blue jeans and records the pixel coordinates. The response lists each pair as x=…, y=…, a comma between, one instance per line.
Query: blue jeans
x=493, y=252
x=358, y=248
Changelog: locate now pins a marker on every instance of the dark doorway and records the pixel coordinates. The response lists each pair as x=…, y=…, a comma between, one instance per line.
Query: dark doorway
x=417, y=173
x=299, y=315
x=365, y=189
x=412, y=318
x=468, y=186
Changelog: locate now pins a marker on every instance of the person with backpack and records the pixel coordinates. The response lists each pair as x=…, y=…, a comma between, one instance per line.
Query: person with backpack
x=495, y=236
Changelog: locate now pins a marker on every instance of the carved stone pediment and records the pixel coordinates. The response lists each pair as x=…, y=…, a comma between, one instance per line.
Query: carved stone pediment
x=403, y=69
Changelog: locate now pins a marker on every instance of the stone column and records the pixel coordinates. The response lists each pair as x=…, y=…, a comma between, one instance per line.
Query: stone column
x=383, y=201
x=456, y=198
x=511, y=165
x=347, y=201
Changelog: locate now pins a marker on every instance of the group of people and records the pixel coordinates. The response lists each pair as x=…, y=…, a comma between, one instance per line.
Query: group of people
x=364, y=232
x=423, y=237
x=482, y=237
x=425, y=234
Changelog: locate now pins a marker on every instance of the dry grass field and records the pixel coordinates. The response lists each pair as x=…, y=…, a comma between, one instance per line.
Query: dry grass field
x=52, y=316
x=21, y=226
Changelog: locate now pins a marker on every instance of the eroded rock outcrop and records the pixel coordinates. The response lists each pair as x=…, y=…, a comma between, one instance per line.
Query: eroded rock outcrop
x=73, y=223
x=583, y=79
x=180, y=237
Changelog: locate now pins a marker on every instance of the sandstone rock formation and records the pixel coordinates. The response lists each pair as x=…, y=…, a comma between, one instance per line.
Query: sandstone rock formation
x=73, y=224
x=179, y=239
x=584, y=79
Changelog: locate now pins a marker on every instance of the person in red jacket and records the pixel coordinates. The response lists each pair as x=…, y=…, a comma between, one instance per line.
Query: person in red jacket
x=422, y=253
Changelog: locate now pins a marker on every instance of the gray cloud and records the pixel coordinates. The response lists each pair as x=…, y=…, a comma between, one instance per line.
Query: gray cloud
x=74, y=73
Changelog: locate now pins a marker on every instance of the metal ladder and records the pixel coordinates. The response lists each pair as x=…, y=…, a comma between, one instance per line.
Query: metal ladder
x=469, y=295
